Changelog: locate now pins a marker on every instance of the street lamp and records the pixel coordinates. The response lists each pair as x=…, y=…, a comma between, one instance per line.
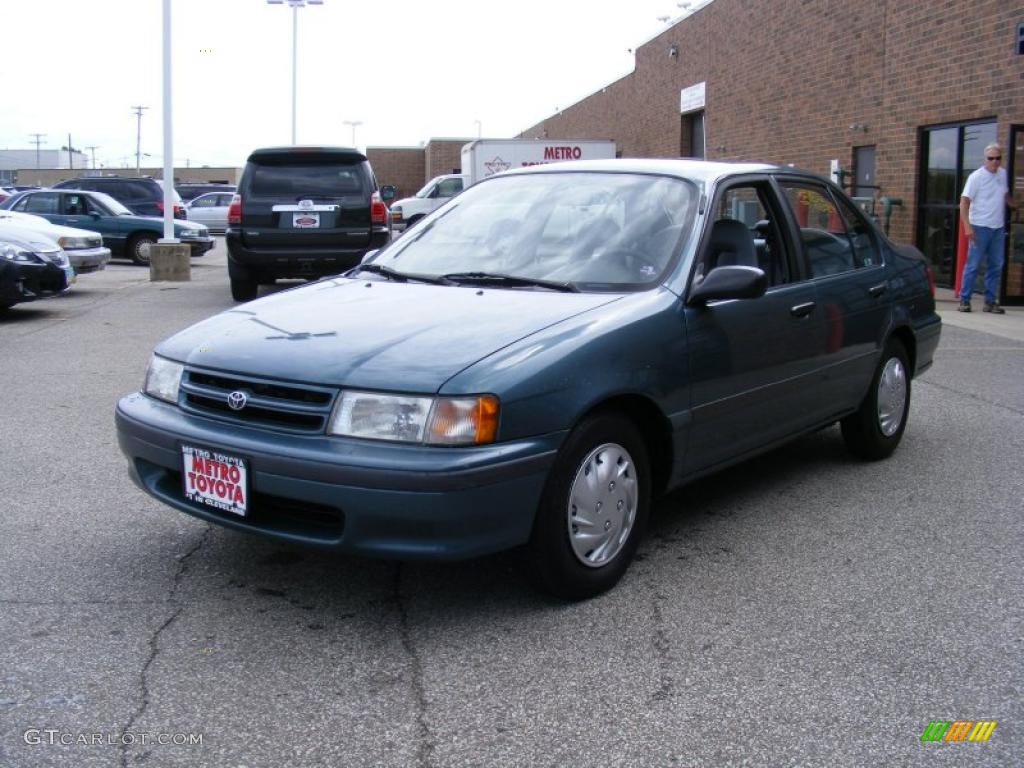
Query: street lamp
x=295, y=4
x=353, y=123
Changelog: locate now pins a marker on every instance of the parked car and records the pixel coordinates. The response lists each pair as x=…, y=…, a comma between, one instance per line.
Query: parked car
x=536, y=361
x=31, y=267
x=139, y=194
x=302, y=212
x=191, y=190
x=84, y=249
x=126, y=234
x=210, y=209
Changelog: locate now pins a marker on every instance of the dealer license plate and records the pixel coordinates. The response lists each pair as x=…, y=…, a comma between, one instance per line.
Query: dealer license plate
x=215, y=479
x=306, y=220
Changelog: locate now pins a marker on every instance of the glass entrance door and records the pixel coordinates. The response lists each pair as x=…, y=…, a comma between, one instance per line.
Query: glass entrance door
x=1014, y=272
x=949, y=154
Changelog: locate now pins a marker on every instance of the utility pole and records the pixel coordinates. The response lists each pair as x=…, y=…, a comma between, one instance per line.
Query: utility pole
x=138, y=139
x=71, y=162
x=93, y=150
x=37, y=141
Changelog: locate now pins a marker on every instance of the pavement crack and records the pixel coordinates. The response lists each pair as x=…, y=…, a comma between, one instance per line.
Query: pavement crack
x=154, y=645
x=662, y=646
x=424, y=745
x=972, y=396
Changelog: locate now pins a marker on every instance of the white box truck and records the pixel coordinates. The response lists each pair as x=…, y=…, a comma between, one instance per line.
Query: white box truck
x=485, y=157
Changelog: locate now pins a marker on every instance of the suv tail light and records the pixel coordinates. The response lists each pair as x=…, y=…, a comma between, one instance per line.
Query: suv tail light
x=178, y=211
x=378, y=211
x=235, y=211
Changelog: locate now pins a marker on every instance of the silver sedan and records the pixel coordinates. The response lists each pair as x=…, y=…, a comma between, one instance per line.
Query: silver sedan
x=210, y=209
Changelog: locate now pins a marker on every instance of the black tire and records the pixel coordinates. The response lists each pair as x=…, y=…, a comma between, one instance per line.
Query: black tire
x=243, y=290
x=874, y=431
x=554, y=558
x=412, y=222
x=138, y=248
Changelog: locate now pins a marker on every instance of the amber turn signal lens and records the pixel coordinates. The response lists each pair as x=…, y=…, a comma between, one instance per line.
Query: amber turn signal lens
x=464, y=420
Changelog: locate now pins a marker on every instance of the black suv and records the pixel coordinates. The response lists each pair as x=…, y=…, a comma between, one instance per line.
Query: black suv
x=302, y=212
x=140, y=194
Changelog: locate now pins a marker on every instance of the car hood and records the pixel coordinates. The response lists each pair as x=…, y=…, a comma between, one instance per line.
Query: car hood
x=47, y=229
x=373, y=335
x=27, y=238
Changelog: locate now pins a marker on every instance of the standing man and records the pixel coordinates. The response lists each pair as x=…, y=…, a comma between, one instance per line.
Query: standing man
x=983, y=217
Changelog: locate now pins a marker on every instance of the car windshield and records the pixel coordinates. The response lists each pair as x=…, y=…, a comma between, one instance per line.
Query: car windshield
x=112, y=205
x=425, y=189
x=593, y=231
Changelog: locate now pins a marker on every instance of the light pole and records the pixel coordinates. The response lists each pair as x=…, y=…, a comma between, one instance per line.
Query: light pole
x=138, y=139
x=93, y=150
x=479, y=128
x=295, y=4
x=353, y=123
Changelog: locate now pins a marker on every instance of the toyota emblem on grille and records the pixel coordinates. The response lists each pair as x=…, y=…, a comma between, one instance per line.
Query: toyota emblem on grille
x=237, y=400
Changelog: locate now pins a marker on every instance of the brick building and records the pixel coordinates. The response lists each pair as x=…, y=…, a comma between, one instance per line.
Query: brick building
x=904, y=96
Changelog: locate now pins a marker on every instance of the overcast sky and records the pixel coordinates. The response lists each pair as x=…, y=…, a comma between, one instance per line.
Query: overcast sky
x=409, y=70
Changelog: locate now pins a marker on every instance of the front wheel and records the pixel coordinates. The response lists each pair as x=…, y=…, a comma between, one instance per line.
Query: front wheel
x=874, y=431
x=593, y=510
x=243, y=290
x=139, y=247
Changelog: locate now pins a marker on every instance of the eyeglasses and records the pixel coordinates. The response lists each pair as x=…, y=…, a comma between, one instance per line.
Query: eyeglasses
x=997, y=157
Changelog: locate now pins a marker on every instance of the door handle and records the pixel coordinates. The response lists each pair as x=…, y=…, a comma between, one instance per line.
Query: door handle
x=802, y=310
x=877, y=290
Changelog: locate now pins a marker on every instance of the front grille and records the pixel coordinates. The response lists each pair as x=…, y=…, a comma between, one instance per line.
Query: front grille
x=283, y=405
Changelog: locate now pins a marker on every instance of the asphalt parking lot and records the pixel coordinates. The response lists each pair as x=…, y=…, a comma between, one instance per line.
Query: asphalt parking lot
x=801, y=609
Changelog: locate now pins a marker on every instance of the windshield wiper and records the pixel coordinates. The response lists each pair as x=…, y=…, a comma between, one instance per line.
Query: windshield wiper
x=394, y=274
x=514, y=281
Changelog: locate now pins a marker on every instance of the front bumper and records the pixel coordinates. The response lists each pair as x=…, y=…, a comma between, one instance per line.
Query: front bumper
x=21, y=282
x=356, y=496
x=199, y=245
x=88, y=259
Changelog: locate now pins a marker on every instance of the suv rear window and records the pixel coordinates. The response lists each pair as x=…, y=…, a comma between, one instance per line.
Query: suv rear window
x=315, y=179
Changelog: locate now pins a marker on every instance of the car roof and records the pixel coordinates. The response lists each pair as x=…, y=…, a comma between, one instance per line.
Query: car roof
x=696, y=170
x=340, y=153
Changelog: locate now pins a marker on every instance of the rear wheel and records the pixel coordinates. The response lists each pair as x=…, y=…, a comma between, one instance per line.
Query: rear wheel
x=874, y=431
x=138, y=248
x=593, y=510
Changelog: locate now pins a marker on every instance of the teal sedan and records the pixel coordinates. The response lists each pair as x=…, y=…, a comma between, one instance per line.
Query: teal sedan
x=126, y=234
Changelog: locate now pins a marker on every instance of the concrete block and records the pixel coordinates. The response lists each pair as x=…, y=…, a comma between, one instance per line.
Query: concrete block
x=170, y=262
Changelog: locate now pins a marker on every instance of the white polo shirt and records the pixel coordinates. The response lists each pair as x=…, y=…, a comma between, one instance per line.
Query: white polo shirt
x=987, y=192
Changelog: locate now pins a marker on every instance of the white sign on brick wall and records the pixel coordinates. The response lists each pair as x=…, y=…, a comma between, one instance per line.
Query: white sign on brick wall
x=691, y=99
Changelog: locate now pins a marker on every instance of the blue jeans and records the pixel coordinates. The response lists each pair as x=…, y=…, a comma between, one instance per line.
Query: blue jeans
x=988, y=245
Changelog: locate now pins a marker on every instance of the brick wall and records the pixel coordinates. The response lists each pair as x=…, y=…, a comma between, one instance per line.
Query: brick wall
x=401, y=167
x=786, y=80
x=444, y=156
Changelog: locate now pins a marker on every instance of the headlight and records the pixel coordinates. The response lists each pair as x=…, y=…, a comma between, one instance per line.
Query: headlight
x=17, y=253
x=411, y=419
x=162, y=378
x=74, y=242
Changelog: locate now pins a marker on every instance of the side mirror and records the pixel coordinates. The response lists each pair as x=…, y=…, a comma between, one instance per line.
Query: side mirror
x=387, y=192
x=731, y=282
x=368, y=256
